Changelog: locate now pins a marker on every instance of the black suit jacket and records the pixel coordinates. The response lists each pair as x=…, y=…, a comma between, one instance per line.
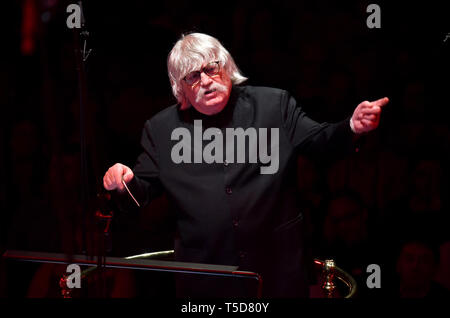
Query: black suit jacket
x=232, y=214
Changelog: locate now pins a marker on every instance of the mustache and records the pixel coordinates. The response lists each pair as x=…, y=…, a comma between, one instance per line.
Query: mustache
x=214, y=86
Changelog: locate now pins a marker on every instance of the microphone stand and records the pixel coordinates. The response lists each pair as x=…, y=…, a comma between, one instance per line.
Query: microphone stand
x=103, y=235
x=103, y=217
x=80, y=36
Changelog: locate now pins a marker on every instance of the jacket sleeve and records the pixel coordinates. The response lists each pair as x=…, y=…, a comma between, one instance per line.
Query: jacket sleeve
x=312, y=138
x=146, y=185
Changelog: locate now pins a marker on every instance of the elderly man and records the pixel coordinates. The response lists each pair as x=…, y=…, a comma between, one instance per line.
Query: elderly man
x=235, y=200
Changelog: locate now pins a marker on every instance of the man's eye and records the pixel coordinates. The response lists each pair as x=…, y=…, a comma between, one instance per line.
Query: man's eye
x=191, y=76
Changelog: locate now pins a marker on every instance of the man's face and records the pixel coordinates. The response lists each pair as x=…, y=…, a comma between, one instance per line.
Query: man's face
x=349, y=220
x=210, y=94
x=415, y=265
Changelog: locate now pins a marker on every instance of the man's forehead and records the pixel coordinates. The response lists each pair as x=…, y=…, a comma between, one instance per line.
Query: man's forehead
x=417, y=249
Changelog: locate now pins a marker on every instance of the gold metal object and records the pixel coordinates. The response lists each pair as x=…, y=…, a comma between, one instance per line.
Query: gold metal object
x=328, y=278
x=329, y=274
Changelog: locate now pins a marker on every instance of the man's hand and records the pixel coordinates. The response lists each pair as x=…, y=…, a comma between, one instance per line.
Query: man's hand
x=113, y=177
x=366, y=116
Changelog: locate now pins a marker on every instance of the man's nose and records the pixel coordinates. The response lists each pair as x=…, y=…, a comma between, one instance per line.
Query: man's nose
x=205, y=79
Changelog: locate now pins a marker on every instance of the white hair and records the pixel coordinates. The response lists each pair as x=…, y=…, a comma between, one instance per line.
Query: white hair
x=189, y=54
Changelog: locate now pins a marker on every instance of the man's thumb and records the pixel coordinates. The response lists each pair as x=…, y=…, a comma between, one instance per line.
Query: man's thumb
x=128, y=176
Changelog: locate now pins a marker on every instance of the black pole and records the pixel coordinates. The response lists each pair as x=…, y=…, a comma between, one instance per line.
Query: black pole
x=80, y=40
x=81, y=53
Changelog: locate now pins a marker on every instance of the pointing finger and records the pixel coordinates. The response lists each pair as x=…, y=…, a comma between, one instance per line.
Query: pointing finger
x=381, y=102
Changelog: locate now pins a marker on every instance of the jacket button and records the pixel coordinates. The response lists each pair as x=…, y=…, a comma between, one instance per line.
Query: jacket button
x=228, y=190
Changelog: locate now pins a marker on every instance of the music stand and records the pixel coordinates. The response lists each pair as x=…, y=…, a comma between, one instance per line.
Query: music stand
x=137, y=264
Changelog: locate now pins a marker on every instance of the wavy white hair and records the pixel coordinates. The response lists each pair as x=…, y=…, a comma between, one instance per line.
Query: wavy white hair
x=189, y=54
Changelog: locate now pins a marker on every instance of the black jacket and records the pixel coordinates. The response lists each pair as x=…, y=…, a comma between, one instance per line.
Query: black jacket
x=230, y=213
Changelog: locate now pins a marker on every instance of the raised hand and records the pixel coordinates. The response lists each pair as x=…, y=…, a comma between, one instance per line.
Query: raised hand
x=366, y=116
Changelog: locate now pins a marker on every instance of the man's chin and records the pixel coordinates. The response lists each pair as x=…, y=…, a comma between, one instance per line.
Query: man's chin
x=210, y=109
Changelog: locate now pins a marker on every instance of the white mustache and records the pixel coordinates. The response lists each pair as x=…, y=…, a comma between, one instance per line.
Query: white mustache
x=214, y=86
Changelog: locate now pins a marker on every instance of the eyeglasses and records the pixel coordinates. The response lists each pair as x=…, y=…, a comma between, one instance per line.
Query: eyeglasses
x=210, y=69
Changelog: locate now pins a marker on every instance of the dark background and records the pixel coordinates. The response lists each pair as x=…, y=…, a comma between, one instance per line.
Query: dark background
x=322, y=52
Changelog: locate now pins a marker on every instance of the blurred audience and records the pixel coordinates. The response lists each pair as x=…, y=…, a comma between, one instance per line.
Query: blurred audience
x=443, y=272
x=350, y=237
x=416, y=267
x=423, y=208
